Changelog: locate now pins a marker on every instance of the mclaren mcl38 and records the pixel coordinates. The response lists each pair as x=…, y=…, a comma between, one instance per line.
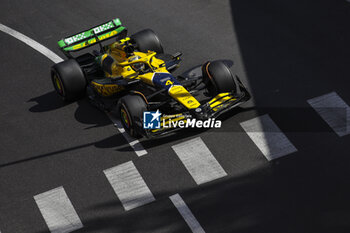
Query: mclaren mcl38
x=132, y=75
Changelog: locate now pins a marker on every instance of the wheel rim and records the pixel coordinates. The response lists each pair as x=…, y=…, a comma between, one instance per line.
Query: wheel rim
x=58, y=85
x=125, y=118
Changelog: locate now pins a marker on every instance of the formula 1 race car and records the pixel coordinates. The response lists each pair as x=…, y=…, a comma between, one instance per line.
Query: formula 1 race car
x=131, y=76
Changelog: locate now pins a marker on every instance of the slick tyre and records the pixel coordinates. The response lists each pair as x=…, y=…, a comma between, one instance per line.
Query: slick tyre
x=130, y=109
x=69, y=80
x=147, y=40
x=218, y=78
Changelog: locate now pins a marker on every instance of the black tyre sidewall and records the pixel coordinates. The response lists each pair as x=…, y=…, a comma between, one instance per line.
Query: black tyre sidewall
x=220, y=79
x=134, y=105
x=147, y=40
x=72, y=79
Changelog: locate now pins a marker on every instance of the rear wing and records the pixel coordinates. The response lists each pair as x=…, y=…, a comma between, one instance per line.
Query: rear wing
x=91, y=36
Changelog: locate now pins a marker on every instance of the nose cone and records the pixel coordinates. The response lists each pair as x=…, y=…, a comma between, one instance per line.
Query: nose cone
x=164, y=80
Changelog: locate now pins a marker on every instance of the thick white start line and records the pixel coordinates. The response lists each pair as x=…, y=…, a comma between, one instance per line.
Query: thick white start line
x=58, y=211
x=129, y=185
x=186, y=213
x=135, y=144
x=266, y=135
x=334, y=111
x=199, y=161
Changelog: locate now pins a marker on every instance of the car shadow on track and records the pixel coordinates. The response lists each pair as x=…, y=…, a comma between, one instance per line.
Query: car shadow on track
x=47, y=102
x=85, y=112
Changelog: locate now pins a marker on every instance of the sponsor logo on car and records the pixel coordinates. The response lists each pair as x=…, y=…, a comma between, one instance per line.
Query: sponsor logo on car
x=85, y=35
x=103, y=27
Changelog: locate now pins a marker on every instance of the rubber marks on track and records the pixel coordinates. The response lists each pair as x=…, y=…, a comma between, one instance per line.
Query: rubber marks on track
x=129, y=186
x=58, y=211
x=334, y=111
x=266, y=135
x=199, y=161
x=186, y=214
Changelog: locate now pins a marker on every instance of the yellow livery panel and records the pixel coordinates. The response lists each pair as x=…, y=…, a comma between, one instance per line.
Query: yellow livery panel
x=219, y=99
x=180, y=94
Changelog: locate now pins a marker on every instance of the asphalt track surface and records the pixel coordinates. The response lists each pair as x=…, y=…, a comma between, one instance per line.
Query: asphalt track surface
x=286, y=52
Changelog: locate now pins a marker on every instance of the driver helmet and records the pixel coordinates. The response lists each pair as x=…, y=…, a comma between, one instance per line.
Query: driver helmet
x=137, y=66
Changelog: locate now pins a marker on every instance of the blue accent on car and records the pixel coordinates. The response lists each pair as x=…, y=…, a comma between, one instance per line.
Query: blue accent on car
x=164, y=80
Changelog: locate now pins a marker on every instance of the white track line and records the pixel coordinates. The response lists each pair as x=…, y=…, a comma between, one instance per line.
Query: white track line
x=186, y=213
x=334, y=111
x=266, y=135
x=58, y=211
x=135, y=144
x=199, y=161
x=129, y=185
x=32, y=43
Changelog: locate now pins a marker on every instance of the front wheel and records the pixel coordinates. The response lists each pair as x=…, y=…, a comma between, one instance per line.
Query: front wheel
x=130, y=109
x=218, y=78
x=69, y=80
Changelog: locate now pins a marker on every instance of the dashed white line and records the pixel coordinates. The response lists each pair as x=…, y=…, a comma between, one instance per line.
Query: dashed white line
x=266, y=135
x=186, y=213
x=334, y=111
x=129, y=185
x=58, y=211
x=199, y=161
x=135, y=144
x=32, y=43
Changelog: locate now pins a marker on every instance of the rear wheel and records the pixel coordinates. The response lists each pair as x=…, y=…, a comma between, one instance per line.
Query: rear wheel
x=147, y=40
x=218, y=78
x=69, y=80
x=130, y=109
